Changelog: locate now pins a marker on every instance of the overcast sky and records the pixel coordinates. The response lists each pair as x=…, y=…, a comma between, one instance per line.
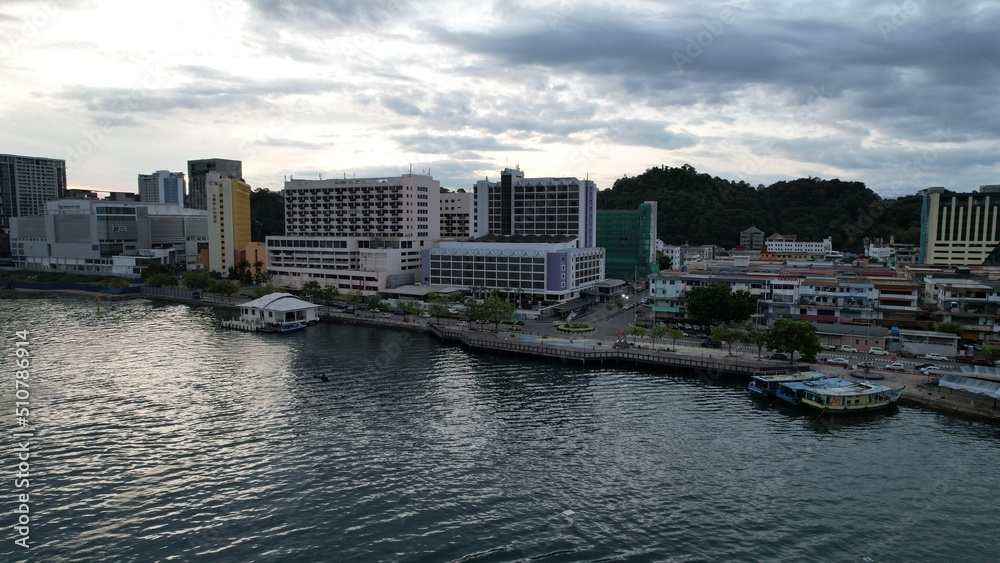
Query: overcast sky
x=900, y=95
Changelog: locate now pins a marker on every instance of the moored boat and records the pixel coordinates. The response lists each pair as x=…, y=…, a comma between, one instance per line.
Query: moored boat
x=765, y=384
x=793, y=392
x=863, y=396
x=291, y=326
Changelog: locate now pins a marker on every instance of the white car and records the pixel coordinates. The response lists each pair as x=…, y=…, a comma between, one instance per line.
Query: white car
x=846, y=348
x=878, y=351
x=462, y=324
x=927, y=369
x=838, y=361
x=935, y=357
x=828, y=347
x=895, y=366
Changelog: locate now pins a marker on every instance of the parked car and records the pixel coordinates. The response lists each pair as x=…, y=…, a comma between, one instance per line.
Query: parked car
x=779, y=356
x=847, y=348
x=935, y=357
x=385, y=315
x=928, y=368
x=462, y=324
x=864, y=365
x=838, y=361
x=875, y=350
x=828, y=347
x=920, y=367
x=711, y=344
x=895, y=366
x=425, y=315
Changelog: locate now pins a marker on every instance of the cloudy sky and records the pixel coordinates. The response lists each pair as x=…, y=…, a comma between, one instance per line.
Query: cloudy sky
x=900, y=95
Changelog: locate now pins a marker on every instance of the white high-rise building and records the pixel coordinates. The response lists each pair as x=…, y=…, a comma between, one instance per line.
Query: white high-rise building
x=361, y=234
x=457, y=215
x=162, y=186
x=533, y=235
x=537, y=206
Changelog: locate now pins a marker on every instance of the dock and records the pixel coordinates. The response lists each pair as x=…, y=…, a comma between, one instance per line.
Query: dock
x=246, y=326
x=714, y=368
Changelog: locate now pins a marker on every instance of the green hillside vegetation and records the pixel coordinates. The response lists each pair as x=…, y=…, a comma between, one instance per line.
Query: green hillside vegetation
x=700, y=209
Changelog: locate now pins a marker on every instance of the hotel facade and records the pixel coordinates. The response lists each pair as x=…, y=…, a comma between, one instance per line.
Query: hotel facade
x=961, y=229
x=533, y=235
x=358, y=234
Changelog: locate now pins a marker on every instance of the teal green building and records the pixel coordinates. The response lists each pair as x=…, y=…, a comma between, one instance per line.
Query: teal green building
x=629, y=242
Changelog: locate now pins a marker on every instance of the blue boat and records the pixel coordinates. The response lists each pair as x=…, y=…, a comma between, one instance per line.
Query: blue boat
x=765, y=384
x=291, y=326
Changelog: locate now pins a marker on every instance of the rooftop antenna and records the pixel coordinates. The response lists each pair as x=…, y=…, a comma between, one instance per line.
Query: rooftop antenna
x=320, y=176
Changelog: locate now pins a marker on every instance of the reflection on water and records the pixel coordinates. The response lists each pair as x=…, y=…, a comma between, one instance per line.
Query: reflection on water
x=161, y=436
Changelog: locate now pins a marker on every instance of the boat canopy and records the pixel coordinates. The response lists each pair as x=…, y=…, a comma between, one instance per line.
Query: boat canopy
x=979, y=386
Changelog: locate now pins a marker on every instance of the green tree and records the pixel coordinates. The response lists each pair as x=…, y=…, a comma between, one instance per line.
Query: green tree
x=659, y=332
x=161, y=280
x=717, y=303
x=409, y=307
x=791, y=336
x=198, y=280
x=258, y=271
x=328, y=296
x=354, y=297
x=756, y=336
x=243, y=271
x=310, y=291
x=675, y=335
x=225, y=287
x=991, y=352
x=730, y=333
x=496, y=310
x=949, y=327
x=155, y=268
x=637, y=331
x=374, y=302
x=438, y=310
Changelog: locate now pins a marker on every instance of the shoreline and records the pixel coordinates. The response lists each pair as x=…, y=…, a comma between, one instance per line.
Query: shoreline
x=918, y=391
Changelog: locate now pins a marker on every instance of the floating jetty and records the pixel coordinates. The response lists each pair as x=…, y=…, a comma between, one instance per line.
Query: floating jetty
x=246, y=326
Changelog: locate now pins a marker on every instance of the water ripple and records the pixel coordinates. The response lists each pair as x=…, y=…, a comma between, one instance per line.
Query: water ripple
x=160, y=436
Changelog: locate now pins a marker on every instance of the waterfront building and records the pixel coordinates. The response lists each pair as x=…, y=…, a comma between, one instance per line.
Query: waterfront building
x=27, y=183
x=973, y=304
x=752, y=238
x=629, y=242
x=278, y=308
x=960, y=229
x=534, y=236
x=457, y=215
x=363, y=234
x=778, y=247
x=228, y=220
x=197, y=171
x=107, y=237
x=162, y=186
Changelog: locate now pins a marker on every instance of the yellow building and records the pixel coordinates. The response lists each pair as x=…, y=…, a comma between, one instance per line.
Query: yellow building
x=959, y=229
x=228, y=220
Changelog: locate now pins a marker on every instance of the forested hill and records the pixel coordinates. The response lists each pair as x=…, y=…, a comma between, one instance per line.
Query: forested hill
x=699, y=209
